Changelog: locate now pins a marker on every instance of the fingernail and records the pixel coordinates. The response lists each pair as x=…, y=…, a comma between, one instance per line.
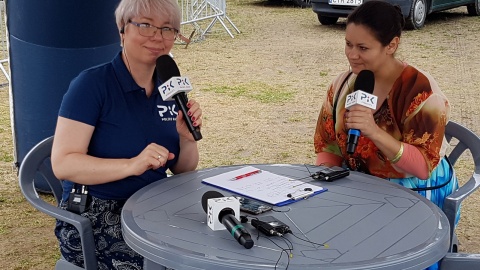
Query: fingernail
x=193, y=118
x=195, y=124
x=189, y=113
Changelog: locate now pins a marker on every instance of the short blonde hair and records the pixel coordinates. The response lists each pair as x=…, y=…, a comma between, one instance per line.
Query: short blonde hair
x=128, y=9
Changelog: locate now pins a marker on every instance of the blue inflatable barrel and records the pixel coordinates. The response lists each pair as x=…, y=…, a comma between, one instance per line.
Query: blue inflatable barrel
x=51, y=41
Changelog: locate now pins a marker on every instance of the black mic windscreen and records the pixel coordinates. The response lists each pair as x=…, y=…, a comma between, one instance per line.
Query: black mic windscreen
x=211, y=194
x=365, y=81
x=166, y=68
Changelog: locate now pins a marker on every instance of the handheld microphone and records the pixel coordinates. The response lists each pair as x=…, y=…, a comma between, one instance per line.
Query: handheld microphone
x=175, y=87
x=227, y=217
x=362, y=95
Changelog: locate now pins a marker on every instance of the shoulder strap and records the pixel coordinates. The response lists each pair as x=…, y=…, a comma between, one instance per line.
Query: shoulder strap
x=336, y=99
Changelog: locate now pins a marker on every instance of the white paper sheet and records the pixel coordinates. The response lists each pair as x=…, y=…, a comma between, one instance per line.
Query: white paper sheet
x=264, y=186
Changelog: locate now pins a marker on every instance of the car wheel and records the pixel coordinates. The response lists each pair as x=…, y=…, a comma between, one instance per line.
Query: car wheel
x=303, y=3
x=474, y=9
x=418, y=13
x=327, y=20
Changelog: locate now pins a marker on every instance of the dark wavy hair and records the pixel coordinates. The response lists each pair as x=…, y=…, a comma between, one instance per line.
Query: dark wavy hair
x=385, y=20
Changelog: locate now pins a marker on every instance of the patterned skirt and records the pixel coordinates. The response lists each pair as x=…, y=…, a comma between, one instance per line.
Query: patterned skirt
x=111, y=250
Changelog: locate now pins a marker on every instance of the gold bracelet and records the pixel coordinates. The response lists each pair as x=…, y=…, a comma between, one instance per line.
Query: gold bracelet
x=398, y=155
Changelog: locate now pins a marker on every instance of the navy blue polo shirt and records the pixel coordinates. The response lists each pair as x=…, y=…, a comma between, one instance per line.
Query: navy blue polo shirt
x=125, y=121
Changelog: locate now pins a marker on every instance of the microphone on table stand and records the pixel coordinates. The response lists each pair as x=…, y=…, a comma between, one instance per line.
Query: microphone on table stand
x=219, y=208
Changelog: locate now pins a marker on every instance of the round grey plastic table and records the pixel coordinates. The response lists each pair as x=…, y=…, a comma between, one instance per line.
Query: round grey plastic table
x=368, y=223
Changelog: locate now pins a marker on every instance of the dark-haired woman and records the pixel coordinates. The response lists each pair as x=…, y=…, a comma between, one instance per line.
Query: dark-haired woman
x=402, y=140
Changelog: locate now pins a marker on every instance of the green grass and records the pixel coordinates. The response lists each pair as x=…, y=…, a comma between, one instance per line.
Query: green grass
x=284, y=121
x=323, y=73
x=258, y=91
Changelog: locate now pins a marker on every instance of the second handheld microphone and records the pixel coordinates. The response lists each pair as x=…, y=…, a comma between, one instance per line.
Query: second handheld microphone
x=363, y=89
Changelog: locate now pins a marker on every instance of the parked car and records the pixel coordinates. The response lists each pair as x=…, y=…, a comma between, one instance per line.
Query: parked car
x=302, y=3
x=299, y=3
x=415, y=11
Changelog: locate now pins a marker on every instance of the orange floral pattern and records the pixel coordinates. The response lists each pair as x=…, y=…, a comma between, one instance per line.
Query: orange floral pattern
x=417, y=101
x=415, y=112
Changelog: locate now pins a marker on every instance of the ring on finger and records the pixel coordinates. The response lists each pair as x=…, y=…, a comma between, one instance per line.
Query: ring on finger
x=159, y=157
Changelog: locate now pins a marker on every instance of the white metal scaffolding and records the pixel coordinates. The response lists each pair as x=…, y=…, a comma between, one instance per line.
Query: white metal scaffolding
x=3, y=42
x=201, y=15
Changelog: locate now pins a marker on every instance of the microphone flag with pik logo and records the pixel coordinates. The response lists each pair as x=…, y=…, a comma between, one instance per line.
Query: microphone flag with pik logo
x=217, y=208
x=175, y=87
x=362, y=95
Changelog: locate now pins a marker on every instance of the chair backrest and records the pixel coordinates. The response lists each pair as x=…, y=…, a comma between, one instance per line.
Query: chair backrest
x=467, y=140
x=37, y=164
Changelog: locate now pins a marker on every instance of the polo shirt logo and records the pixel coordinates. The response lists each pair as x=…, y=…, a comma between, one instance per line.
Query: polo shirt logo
x=167, y=113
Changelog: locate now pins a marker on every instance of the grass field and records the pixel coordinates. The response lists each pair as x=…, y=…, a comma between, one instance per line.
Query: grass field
x=261, y=92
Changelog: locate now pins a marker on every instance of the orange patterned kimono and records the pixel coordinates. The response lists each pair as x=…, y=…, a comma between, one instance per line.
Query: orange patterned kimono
x=415, y=112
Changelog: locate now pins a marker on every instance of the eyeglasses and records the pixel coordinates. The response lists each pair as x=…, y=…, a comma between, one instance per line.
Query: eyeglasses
x=148, y=30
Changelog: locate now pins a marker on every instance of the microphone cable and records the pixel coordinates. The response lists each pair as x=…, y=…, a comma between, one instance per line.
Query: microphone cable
x=287, y=250
x=310, y=175
x=308, y=170
x=325, y=245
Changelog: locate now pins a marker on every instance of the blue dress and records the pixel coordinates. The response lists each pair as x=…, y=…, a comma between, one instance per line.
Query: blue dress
x=442, y=174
